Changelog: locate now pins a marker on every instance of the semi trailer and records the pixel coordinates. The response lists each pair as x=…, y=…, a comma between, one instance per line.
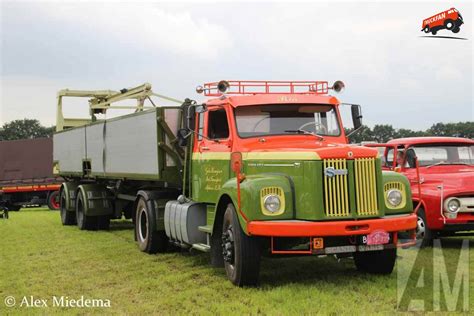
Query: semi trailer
x=26, y=174
x=259, y=168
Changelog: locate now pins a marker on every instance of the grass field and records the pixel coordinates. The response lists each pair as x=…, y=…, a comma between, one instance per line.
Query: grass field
x=40, y=258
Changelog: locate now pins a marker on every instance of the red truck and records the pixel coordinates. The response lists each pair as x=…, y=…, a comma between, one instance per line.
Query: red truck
x=450, y=19
x=26, y=174
x=446, y=176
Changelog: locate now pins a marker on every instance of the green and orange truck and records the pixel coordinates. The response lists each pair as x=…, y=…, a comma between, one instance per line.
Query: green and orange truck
x=259, y=168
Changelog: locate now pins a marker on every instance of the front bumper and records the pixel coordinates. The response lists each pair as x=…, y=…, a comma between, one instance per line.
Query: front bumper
x=297, y=228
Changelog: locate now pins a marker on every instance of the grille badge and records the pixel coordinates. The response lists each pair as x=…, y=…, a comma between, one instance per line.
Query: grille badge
x=331, y=172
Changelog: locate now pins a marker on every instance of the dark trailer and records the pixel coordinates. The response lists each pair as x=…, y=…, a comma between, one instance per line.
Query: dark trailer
x=26, y=174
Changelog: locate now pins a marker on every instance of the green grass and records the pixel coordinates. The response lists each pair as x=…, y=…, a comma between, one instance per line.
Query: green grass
x=39, y=257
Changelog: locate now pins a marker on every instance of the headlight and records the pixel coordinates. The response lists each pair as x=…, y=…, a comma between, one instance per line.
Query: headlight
x=272, y=203
x=453, y=205
x=394, y=197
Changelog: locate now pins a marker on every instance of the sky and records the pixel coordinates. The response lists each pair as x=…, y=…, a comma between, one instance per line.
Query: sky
x=398, y=76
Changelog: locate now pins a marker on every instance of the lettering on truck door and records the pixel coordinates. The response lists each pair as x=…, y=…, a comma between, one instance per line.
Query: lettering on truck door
x=211, y=155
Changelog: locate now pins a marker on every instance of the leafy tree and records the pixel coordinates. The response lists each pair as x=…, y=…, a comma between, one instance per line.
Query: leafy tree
x=461, y=129
x=23, y=129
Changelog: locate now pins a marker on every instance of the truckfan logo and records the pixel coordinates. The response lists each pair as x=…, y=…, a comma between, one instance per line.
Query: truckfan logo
x=331, y=172
x=450, y=20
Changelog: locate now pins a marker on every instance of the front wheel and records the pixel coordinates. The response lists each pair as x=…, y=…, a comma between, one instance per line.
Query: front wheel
x=424, y=235
x=376, y=262
x=241, y=252
x=426, y=29
x=449, y=24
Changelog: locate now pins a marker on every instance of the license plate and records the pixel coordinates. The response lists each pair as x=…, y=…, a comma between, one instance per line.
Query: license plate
x=378, y=237
x=339, y=249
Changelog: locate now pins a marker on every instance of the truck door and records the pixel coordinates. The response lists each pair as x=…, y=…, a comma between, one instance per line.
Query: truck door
x=211, y=155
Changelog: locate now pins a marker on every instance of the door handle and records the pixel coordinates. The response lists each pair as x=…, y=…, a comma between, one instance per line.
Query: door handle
x=204, y=148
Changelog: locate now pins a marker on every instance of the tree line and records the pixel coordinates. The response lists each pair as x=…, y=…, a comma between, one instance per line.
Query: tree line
x=31, y=128
x=383, y=133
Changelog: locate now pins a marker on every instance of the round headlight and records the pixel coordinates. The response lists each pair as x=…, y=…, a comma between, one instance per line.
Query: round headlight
x=453, y=205
x=394, y=197
x=272, y=203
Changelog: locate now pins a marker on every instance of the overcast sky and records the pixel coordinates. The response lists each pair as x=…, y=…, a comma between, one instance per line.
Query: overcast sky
x=398, y=77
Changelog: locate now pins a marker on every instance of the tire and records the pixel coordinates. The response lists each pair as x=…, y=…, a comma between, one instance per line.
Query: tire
x=434, y=32
x=449, y=24
x=424, y=235
x=53, y=201
x=241, y=253
x=84, y=222
x=67, y=218
x=456, y=29
x=376, y=262
x=103, y=222
x=149, y=239
x=426, y=29
x=217, y=259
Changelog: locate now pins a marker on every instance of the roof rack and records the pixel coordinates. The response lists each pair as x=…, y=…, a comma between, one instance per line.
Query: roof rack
x=239, y=87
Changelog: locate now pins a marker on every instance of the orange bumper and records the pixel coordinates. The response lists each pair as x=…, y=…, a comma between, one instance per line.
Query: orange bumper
x=297, y=228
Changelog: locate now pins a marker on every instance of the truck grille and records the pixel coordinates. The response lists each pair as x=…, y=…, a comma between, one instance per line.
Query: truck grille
x=365, y=186
x=336, y=195
x=336, y=187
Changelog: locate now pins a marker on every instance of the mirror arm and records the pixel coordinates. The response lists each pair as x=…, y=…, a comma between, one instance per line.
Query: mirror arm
x=354, y=131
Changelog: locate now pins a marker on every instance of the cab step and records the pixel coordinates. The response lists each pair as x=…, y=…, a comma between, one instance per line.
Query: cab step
x=202, y=247
x=205, y=229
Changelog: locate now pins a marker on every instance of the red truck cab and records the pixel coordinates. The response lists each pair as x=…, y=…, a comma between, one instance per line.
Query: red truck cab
x=446, y=176
x=450, y=19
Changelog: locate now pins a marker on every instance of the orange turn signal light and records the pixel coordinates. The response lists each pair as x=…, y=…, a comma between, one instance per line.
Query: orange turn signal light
x=318, y=243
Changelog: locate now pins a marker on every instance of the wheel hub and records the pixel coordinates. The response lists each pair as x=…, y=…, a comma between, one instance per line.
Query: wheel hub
x=420, y=228
x=228, y=245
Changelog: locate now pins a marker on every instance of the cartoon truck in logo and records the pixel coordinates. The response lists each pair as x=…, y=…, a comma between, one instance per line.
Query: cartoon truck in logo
x=450, y=20
x=260, y=168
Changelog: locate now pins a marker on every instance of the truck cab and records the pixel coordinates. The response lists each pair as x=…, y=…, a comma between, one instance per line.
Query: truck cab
x=278, y=170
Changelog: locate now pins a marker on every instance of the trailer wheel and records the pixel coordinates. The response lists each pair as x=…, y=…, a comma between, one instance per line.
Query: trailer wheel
x=53, y=200
x=149, y=239
x=241, y=252
x=376, y=262
x=84, y=222
x=67, y=218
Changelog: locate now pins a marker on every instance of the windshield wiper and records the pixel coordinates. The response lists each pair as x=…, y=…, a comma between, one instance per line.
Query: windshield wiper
x=302, y=131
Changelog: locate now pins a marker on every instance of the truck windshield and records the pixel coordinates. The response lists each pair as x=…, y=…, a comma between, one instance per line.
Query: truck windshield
x=443, y=155
x=285, y=119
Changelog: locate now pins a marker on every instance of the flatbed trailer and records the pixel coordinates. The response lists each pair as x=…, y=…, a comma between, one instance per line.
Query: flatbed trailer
x=262, y=167
x=26, y=174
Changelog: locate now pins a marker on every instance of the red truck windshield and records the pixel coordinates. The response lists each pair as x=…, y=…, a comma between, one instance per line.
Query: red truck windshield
x=444, y=155
x=285, y=119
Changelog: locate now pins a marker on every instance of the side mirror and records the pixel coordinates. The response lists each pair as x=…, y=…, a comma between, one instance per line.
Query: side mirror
x=183, y=137
x=356, y=116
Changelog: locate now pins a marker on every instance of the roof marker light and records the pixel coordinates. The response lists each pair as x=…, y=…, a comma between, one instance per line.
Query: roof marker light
x=338, y=86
